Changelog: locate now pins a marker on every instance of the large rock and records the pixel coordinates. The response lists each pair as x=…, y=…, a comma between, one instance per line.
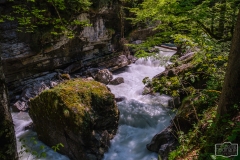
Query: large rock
x=117, y=62
x=117, y=81
x=164, y=142
x=33, y=87
x=80, y=114
x=104, y=76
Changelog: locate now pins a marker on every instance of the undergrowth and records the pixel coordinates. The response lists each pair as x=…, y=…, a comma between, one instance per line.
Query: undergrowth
x=198, y=82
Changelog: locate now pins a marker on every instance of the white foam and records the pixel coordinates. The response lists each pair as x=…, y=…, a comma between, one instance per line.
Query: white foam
x=30, y=141
x=141, y=116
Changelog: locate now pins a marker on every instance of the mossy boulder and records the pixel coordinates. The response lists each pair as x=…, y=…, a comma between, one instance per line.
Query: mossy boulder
x=80, y=114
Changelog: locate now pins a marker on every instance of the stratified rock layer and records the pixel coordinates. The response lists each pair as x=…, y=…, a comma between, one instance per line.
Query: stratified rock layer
x=80, y=114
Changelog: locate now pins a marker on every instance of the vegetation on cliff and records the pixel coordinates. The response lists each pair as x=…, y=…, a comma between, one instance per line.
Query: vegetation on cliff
x=58, y=16
x=185, y=21
x=205, y=28
x=201, y=26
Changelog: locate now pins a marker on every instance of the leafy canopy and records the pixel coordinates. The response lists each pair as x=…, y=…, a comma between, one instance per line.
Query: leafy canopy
x=57, y=15
x=187, y=18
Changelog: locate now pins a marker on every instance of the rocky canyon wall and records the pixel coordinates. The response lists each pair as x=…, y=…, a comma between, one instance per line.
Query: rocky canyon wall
x=31, y=58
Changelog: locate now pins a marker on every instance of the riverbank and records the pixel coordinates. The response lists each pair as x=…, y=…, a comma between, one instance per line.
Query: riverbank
x=196, y=80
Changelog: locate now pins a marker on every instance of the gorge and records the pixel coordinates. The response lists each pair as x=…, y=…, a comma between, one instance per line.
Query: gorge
x=96, y=79
x=29, y=72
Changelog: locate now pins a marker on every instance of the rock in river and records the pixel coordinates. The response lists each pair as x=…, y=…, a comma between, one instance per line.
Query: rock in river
x=80, y=114
x=117, y=81
x=104, y=76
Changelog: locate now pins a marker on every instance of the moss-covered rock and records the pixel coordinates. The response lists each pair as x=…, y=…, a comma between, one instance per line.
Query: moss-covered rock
x=80, y=114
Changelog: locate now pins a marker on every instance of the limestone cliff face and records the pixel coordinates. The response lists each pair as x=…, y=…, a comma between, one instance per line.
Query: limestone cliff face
x=92, y=46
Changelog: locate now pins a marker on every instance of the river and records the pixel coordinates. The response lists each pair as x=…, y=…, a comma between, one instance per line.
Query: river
x=141, y=117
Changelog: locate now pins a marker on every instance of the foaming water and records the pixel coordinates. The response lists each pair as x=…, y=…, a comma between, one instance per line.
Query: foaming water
x=138, y=123
x=141, y=116
x=133, y=75
x=28, y=146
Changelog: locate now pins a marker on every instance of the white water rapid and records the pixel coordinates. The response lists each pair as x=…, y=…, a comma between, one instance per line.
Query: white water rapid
x=141, y=117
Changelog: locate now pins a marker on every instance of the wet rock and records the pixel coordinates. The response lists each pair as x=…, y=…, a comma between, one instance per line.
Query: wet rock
x=174, y=102
x=119, y=99
x=137, y=42
x=104, y=76
x=29, y=91
x=73, y=67
x=53, y=84
x=171, y=73
x=91, y=72
x=163, y=142
x=166, y=141
x=117, y=81
x=19, y=106
x=131, y=58
x=65, y=76
x=122, y=61
x=30, y=126
x=31, y=88
x=116, y=62
x=146, y=90
x=81, y=114
x=90, y=79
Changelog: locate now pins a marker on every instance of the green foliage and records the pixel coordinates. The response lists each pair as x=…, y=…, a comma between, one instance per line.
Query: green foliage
x=58, y=16
x=225, y=130
x=187, y=16
x=7, y=138
x=31, y=147
x=204, y=27
x=175, y=19
x=101, y=3
x=167, y=85
x=57, y=147
x=209, y=132
x=202, y=84
x=202, y=76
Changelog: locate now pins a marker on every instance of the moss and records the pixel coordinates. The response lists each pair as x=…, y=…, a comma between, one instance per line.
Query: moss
x=77, y=100
x=66, y=113
x=65, y=76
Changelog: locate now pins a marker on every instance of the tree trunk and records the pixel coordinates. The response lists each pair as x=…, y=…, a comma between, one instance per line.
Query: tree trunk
x=230, y=98
x=222, y=18
x=8, y=149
